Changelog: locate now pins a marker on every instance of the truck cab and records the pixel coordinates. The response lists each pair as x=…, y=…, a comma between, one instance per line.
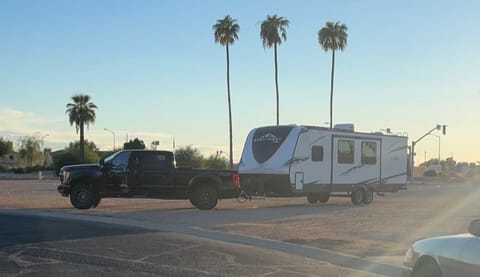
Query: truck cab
x=136, y=169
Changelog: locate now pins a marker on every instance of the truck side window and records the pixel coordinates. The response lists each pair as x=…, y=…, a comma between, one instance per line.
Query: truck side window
x=369, y=152
x=317, y=153
x=155, y=160
x=346, y=150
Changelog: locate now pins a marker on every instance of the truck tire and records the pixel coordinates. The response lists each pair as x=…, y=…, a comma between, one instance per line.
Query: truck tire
x=367, y=196
x=357, y=196
x=204, y=197
x=312, y=198
x=83, y=197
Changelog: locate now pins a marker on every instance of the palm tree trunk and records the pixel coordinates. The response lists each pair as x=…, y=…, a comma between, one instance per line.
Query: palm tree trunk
x=331, y=89
x=82, y=152
x=276, y=82
x=229, y=108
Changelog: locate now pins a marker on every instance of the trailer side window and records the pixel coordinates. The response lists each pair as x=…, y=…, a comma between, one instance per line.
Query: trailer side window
x=345, y=151
x=317, y=153
x=369, y=152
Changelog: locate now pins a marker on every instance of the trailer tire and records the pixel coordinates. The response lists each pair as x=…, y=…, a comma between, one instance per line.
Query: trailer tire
x=204, y=197
x=323, y=197
x=83, y=197
x=312, y=198
x=367, y=196
x=357, y=196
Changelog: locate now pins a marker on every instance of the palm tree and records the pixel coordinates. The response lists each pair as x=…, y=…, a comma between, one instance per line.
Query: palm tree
x=226, y=33
x=272, y=32
x=333, y=37
x=81, y=112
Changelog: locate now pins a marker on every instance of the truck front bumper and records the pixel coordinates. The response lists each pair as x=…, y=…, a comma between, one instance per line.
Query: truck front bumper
x=64, y=190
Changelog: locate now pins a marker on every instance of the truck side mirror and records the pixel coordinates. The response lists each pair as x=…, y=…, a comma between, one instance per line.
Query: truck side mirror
x=444, y=129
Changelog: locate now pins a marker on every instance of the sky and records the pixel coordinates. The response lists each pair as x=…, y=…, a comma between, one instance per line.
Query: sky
x=155, y=72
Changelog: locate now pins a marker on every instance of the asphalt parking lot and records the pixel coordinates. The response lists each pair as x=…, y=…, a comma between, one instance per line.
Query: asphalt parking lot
x=289, y=226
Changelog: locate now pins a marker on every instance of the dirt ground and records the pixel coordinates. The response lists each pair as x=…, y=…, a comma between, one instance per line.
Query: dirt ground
x=384, y=228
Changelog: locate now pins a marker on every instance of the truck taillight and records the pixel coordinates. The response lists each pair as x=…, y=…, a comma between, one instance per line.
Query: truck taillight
x=236, y=180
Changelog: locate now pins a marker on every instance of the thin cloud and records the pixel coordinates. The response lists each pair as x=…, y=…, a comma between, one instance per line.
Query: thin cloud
x=19, y=123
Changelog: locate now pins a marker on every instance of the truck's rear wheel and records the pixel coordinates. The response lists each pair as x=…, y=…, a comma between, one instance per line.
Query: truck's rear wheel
x=83, y=197
x=204, y=197
x=357, y=196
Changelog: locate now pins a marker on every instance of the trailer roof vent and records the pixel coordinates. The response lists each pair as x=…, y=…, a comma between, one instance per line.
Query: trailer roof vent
x=344, y=127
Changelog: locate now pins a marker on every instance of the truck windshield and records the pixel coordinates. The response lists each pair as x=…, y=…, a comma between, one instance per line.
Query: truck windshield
x=118, y=158
x=109, y=158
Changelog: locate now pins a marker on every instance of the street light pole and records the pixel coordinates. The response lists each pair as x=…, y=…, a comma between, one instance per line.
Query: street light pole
x=43, y=146
x=41, y=139
x=113, y=133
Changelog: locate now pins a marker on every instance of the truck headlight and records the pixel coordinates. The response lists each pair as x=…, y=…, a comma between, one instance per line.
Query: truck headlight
x=65, y=176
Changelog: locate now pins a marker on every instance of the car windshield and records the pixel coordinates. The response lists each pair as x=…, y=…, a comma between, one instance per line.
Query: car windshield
x=239, y=138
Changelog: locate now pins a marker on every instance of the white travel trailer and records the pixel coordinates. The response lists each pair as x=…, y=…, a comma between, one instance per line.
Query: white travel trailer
x=319, y=162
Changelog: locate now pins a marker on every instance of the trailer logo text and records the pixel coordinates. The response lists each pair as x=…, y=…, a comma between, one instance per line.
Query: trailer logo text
x=268, y=138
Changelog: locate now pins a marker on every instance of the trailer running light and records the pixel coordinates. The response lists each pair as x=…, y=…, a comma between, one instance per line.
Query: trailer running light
x=236, y=180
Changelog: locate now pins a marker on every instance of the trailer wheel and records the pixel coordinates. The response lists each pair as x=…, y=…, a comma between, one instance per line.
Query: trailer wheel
x=312, y=198
x=204, y=197
x=357, y=196
x=323, y=197
x=367, y=196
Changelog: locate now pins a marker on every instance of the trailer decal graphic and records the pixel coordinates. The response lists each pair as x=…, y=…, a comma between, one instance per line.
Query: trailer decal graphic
x=352, y=169
x=295, y=160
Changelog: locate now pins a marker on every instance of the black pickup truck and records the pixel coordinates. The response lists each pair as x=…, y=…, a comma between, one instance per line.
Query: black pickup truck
x=148, y=174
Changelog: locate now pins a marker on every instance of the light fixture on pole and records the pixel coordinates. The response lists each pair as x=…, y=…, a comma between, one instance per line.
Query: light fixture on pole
x=113, y=133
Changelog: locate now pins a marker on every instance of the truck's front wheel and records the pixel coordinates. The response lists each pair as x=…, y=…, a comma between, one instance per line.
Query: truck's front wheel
x=83, y=197
x=204, y=197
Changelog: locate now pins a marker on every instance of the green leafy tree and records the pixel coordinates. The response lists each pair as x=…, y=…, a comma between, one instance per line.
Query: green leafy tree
x=80, y=113
x=6, y=146
x=134, y=144
x=30, y=151
x=273, y=31
x=226, y=33
x=333, y=37
x=216, y=161
x=71, y=155
x=189, y=156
